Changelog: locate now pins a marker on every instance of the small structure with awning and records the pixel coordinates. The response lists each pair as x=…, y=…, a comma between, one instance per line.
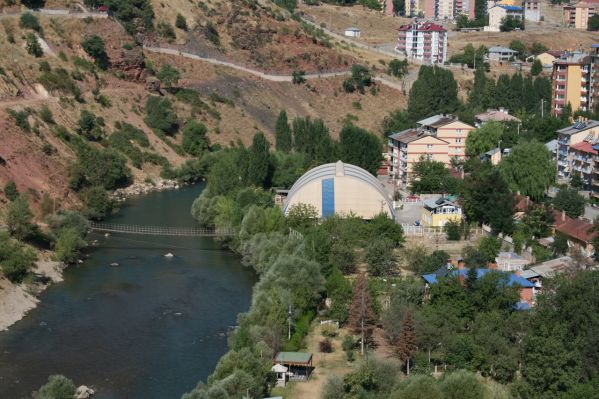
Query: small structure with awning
x=292, y=366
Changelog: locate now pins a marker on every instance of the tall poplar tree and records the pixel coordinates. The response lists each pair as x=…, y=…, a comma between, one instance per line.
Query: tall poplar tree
x=406, y=347
x=283, y=133
x=259, y=164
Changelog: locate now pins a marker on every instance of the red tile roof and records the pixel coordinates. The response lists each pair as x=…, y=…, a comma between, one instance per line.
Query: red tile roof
x=584, y=146
x=578, y=229
x=559, y=218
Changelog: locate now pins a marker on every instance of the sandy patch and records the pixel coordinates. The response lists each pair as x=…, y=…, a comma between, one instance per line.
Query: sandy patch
x=15, y=302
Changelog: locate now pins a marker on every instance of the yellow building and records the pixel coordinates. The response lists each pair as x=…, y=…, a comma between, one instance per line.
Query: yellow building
x=439, y=138
x=571, y=83
x=546, y=59
x=577, y=15
x=436, y=212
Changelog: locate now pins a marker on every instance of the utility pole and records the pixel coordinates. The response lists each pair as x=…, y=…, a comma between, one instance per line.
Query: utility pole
x=289, y=323
x=542, y=107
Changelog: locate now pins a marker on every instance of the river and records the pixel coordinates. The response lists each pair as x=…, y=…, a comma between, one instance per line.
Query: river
x=150, y=328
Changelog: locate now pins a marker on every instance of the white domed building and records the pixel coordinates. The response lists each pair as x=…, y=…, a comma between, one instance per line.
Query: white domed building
x=339, y=188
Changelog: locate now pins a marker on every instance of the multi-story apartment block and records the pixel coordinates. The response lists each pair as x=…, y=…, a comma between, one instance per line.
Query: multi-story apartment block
x=440, y=9
x=449, y=129
x=574, y=144
x=439, y=138
x=532, y=10
x=577, y=15
x=571, y=82
x=423, y=41
x=498, y=12
x=594, y=95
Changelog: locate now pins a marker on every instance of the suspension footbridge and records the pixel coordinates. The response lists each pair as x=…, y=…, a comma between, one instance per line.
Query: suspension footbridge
x=160, y=230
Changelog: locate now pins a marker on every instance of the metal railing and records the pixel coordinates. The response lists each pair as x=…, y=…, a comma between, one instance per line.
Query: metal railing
x=160, y=230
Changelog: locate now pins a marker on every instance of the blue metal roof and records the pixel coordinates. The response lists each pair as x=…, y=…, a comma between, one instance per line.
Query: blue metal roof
x=512, y=278
x=522, y=306
x=511, y=8
x=596, y=45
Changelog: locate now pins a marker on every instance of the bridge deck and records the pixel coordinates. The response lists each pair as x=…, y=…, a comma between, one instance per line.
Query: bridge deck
x=160, y=230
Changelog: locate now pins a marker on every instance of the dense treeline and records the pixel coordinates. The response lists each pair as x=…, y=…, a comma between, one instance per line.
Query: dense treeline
x=296, y=270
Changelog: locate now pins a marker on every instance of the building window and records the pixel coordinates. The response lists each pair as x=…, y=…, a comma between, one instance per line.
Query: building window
x=458, y=140
x=429, y=146
x=458, y=131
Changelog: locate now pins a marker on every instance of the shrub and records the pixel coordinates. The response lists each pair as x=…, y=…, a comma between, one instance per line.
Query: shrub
x=58, y=387
x=104, y=168
x=325, y=346
x=46, y=115
x=94, y=47
x=160, y=115
x=298, y=77
x=195, y=141
x=97, y=204
x=60, y=80
x=330, y=331
x=211, y=34
x=33, y=46
x=30, y=21
x=15, y=258
x=452, y=230
x=10, y=191
x=168, y=75
x=166, y=30
x=181, y=23
x=21, y=119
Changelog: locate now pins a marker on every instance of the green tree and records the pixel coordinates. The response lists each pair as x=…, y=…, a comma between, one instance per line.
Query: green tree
x=435, y=91
x=298, y=77
x=10, y=190
x=15, y=259
x=452, y=230
x=259, y=165
x=485, y=138
x=593, y=23
x=536, y=68
x=33, y=46
x=380, y=257
x=68, y=245
x=57, y=387
x=396, y=121
x=568, y=200
x=94, y=47
x=168, y=75
x=478, y=95
x=398, y=68
x=576, y=181
x=312, y=139
x=382, y=226
x=302, y=216
x=19, y=218
x=529, y=169
x=160, y=115
x=511, y=23
x=283, y=133
x=431, y=177
x=30, y=21
x=359, y=147
x=487, y=199
x=195, y=141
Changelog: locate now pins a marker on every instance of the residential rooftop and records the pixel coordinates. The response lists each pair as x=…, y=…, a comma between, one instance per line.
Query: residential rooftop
x=434, y=203
x=513, y=279
x=499, y=115
x=579, y=126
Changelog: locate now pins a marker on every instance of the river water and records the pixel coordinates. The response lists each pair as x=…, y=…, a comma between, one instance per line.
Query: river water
x=150, y=328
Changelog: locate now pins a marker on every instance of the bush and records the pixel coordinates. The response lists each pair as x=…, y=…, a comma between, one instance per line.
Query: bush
x=30, y=21
x=160, y=115
x=104, y=168
x=10, y=190
x=21, y=119
x=181, y=23
x=325, y=346
x=15, y=259
x=166, y=30
x=97, y=204
x=67, y=246
x=33, y=46
x=19, y=218
x=211, y=34
x=330, y=331
x=452, y=230
x=298, y=77
x=94, y=47
x=57, y=387
x=46, y=115
x=60, y=80
x=195, y=142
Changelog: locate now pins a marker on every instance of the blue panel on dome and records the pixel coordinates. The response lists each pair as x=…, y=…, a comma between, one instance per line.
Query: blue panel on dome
x=328, y=197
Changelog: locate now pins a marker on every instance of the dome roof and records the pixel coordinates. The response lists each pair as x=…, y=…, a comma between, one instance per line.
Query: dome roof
x=340, y=188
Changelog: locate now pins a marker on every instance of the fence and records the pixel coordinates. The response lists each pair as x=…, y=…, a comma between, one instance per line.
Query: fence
x=427, y=231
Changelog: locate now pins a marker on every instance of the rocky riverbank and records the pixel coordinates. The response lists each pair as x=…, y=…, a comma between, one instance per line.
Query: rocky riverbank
x=144, y=188
x=16, y=300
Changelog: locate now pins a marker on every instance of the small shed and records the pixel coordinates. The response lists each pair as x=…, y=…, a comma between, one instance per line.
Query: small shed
x=352, y=32
x=299, y=364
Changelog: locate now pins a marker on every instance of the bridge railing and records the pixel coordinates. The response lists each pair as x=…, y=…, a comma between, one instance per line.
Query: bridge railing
x=160, y=230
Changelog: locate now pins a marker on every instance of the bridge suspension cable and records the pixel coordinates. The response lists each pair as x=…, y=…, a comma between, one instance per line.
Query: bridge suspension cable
x=160, y=230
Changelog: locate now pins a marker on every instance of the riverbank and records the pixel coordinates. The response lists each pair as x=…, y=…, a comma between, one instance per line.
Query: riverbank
x=145, y=188
x=16, y=300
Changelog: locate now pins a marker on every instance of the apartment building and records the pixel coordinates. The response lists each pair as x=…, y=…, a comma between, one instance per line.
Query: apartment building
x=532, y=10
x=571, y=81
x=498, y=12
x=439, y=9
x=423, y=41
x=577, y=15
x=575, y=152
x=439, y=138
x=594, y=94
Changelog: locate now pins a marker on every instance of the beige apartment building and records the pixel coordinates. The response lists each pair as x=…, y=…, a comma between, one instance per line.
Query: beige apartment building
x=439, y=138
x=571, y=81
x=577, y=15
